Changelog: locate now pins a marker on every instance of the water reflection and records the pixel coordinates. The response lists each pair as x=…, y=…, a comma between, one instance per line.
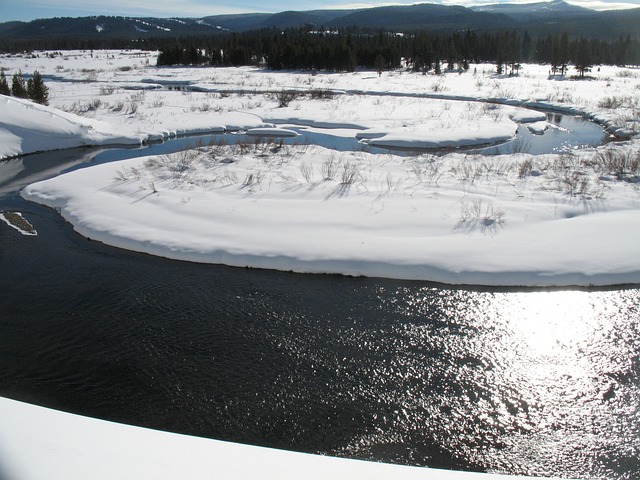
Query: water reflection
x=539, y=383
x=564, y=133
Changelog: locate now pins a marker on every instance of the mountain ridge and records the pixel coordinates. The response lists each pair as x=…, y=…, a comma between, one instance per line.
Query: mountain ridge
x=538, y=18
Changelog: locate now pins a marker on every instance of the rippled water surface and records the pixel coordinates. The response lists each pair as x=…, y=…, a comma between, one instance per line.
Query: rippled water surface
x=544, y=383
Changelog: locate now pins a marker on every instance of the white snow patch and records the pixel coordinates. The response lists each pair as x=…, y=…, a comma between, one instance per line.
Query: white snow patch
x=272, y=132
x=527, y=116
x=538, y=128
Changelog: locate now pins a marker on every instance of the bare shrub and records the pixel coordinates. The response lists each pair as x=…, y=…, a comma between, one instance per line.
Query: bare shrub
x=180, y=163
x=350, y=174
x=132, y=108
x=622, y=164
x=611, y=102
x=107, y=89
x=525, y=168
x=330, y=168
x=252, y=180
x=306, y=170
x=472, y=216
x=92, y=75
x=94, y=104
x=626, y=74
x=285, y=97
x=322, y=94
x=438, y=86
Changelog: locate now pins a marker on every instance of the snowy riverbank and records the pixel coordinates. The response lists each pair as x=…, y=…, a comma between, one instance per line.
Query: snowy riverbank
x=71, y=447
x=566, y=218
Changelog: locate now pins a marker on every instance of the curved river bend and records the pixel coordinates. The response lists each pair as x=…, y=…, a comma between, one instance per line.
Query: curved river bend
x=533, y=382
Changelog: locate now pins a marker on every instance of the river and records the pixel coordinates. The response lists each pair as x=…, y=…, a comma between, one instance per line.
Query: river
x=539, y=382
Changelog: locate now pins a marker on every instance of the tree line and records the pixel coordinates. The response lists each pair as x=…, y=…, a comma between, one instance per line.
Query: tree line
x=346, y=50
x=34, y=89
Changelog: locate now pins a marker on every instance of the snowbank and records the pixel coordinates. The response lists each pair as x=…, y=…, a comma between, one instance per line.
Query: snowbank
x=456, y=219
x=42, y=444
x=26, y=127
x=449, y=138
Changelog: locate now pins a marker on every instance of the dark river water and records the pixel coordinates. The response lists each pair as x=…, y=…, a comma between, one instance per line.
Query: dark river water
x=539, y=382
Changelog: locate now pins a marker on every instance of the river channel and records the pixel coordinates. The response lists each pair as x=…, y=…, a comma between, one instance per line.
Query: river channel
x=539, y=382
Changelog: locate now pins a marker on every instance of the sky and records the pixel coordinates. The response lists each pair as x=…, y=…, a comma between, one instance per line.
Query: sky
x=26, y=10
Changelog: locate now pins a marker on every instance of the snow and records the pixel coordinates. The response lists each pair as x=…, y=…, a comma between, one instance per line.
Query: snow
x=318, y=204
x=37, y=443
x=527, y=116
x=272, y=132
x=538, y=128
x=28, y=128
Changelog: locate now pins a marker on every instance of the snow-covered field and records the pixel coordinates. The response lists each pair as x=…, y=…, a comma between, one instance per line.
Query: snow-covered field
x=317, y=204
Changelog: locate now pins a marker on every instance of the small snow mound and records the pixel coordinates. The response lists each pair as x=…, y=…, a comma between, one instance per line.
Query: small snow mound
x=272, y=132
x=527, y=116
x=538, y=128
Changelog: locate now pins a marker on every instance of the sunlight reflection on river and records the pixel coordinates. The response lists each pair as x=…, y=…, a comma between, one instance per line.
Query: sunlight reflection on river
x=519, y=381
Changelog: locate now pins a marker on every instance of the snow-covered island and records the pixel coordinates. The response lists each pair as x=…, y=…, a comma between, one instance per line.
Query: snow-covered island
x=313, y=203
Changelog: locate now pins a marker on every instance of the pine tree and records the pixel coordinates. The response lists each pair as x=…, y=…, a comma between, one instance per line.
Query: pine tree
x=563, y=52
x=583, y=57
x=379, y=64
x=18, y=88
x=4, y=86
x=555, y=56
x=37, y=90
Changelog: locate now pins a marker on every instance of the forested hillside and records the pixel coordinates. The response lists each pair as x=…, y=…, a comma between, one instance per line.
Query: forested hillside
x=347, y=50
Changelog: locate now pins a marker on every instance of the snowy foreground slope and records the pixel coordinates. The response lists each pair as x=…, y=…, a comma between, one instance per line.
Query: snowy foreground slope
x=317, y=204
x=71, y=447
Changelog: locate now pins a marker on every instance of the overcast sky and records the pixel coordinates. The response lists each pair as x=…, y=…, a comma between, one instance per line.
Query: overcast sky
x=31, y=9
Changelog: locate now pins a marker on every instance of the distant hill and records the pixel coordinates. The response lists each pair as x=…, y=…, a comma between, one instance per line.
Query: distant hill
x=104, y=26
x=288, y=19
x=539, y=18
x=526, y=12
x=423, y=16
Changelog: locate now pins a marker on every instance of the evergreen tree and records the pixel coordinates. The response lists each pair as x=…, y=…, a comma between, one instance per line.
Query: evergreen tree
x=563, y=53
x=555, y=56
x=37, y=90
x=527, y=47
x=583, y=58
x=379, y=64
x=501, y=52
x=18, y=87
x=4, y=86
x=514, y=52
